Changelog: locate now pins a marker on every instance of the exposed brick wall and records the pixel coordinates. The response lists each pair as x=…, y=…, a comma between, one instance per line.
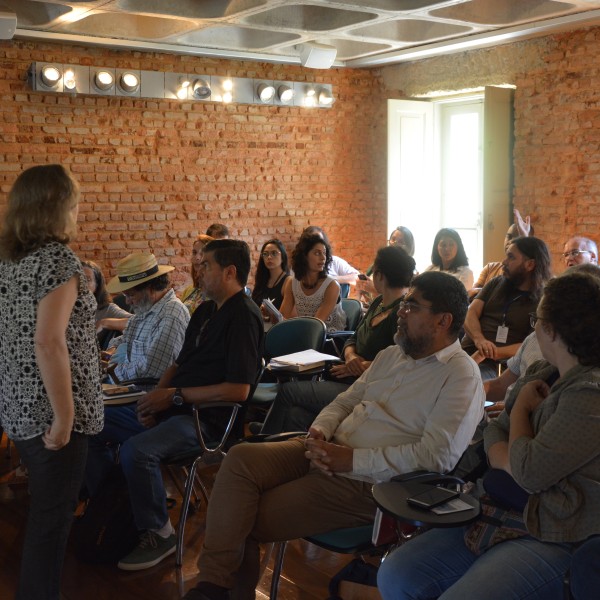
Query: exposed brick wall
x=557, y=123
x=155, y=173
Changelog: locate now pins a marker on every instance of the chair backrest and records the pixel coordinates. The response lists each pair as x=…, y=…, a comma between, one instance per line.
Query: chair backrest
x=353, y=310
x=295, y=335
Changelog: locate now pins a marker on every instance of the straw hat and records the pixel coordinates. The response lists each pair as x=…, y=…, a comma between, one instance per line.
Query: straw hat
x=135, y=269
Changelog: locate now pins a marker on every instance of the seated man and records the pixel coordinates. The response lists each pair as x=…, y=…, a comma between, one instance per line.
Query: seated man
x=154, y=335
x=219, y=361
x=521, y=227
x=415, y=407
x=498, y=318
x=580, y=250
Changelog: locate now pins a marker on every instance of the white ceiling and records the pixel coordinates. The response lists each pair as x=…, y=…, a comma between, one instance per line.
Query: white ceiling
x=367, y=33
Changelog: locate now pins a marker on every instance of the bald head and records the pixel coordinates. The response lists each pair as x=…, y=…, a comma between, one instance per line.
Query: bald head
x=579, y=250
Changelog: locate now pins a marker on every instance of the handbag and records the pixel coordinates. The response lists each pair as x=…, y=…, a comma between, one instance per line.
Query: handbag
x=501, y=516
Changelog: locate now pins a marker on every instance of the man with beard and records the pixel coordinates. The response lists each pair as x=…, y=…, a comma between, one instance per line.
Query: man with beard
x=415, y=407
x=498, y=318
x=154, y=335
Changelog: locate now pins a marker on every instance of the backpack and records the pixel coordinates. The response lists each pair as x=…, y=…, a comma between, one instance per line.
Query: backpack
x=106, y=530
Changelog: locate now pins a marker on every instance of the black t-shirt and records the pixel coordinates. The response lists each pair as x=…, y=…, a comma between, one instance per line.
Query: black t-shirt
x=503, y=300
x=220, y=346
x=224, y=345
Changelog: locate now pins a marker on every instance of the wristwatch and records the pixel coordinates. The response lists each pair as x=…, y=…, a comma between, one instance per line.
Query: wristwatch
x=177, y=399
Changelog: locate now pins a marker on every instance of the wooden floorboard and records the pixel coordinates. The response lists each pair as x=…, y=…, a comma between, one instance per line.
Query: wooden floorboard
x=306, y=573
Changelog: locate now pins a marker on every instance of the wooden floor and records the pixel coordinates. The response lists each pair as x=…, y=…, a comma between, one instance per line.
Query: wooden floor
x=307, y=569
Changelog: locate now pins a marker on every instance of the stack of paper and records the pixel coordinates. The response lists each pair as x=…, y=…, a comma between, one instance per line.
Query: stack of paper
x=302, y=361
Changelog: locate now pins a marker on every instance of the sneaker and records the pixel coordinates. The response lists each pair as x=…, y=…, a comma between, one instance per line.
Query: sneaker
x=149, y=552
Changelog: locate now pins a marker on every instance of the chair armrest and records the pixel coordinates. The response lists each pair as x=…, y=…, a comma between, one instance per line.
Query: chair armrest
x=273, y=437
x=218, y=449
x=430, y=477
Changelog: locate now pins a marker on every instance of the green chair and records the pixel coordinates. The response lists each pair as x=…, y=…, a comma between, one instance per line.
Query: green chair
x=287, y=337
x=353, y=310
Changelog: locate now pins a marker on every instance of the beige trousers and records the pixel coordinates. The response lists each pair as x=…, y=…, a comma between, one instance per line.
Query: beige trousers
x=268, y=493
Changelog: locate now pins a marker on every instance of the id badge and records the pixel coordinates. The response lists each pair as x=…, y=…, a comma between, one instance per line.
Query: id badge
x=502, y=334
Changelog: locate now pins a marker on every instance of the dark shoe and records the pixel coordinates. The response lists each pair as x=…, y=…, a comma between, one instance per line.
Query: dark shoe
x=149, y=552
x=207, y=591
x=254, y=427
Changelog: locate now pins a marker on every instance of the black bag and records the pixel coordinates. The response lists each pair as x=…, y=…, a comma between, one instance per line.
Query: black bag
x=106, y=531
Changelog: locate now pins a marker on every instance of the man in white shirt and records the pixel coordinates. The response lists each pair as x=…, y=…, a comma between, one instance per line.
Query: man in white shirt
x=416, y=407
x=580, y=250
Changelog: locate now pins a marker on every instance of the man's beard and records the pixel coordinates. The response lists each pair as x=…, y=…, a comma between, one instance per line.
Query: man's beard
x=517, y=278
x=143, y=306
x=412, y=345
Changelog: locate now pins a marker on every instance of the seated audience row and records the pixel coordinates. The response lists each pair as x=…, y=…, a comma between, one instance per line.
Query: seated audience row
x=544, y=454
x=298, y=402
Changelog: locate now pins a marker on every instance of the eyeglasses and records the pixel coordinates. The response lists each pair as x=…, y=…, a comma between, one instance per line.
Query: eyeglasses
x=411, y=306
x=271, y=254
x=574, y=253
x=533, y=319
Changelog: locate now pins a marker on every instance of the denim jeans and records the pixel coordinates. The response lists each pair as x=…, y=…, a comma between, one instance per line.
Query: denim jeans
x=141, y=453
x=585, y=570
x=437, y=564
x=55, y=478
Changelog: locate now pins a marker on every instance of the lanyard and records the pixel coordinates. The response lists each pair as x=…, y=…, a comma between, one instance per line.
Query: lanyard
x=507, y=306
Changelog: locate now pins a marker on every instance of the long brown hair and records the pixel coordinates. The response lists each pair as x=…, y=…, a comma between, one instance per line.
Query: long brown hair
x=39, y=205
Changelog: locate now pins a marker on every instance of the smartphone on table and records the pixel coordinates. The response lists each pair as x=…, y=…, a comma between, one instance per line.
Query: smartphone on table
x=433, y=496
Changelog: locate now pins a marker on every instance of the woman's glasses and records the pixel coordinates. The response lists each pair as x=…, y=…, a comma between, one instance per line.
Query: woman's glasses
x=271, y=254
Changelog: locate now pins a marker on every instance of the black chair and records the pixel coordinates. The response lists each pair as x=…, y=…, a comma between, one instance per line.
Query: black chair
x=206, y=454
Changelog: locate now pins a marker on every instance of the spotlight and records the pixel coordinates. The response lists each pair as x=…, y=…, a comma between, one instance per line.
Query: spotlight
x=182, y=90
x=325, y=98
x=285, y=93
x=201, y=89
x=69, y=80
x=310, y=99
x=266, y=93
x=104, y=80
x=50, y=76
x=129, y=82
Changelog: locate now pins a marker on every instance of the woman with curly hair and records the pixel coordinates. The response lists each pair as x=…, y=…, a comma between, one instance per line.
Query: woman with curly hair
x=311, y=292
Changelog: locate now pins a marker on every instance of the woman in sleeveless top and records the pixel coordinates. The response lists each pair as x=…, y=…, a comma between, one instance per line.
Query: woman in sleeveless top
x=311, y=292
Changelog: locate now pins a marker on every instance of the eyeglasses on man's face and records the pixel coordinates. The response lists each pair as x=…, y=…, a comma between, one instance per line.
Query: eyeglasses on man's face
x=533, y=319
x=407, y=306
x=574, y=253
x=271, y=254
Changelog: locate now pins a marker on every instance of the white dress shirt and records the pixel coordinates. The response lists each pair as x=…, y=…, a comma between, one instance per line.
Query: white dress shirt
x=404, y=414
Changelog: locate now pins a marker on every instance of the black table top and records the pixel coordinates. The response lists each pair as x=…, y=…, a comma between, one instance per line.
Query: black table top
x=391, y=497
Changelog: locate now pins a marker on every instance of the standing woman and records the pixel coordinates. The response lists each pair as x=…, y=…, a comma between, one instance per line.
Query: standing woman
x=193, y=295
x=271, y=273
x=50, y=394
x=448, y=255
x=311, y=292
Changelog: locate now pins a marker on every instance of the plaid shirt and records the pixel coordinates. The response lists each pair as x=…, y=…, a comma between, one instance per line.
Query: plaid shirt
x=153, y=339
